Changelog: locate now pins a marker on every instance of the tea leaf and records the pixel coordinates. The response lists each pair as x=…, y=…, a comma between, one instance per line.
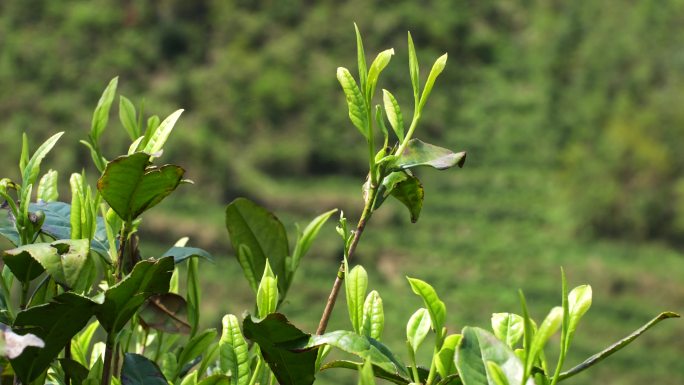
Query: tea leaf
x=477, y=347
x=194, y=292
x=579, y=301
x=264, y=236
x=414, y=71
x=417, y=328
x=180, y=254
x=305, y=240
x=444, y=362
x=139, y=370
x=437, y=69
x=267, y=294
x=418, y=153
x=77, y=372
x=47, y=187
x=130, y=186
x=81, y=342
x=55, y=323
x=195, y=348
x=434, y=305
x=508, y=327
x=273, y=334
x=216, y=379
x=377, y=371
x=410, y=192
x=21, y=262
x=101, y=113
x=373, y=316
x=128, y=118
x=156, y=141
x=496, y=373
x=234, y=354
x=358, y=110
x=361, y=58
x=366, y=375
x=355, y=284
x=122, y=300
x=365, y=347
x=381, y=61
x=548, y=327
x=64, y=260
x=393, y=112
x=32, y=168
x=600, y=356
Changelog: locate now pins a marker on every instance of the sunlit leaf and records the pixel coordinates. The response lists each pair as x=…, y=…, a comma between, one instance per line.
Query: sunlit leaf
x=155, y=142
x=508, y=327
x=444, y=361
x=393, y=112
x=373, y=316
x=305, y=240
x=101, y=113
x=477, y=347
x=417, y=328
x=548, y=327
x=47, y=187
x=364, y=347
x=233, y=351
x=30, y=173
x=358, y=110
x=434, y=305
x=128, y=118
x=356, y=284
x=437, y=69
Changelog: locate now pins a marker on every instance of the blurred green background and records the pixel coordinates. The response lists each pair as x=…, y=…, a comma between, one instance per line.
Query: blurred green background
x=571, y=113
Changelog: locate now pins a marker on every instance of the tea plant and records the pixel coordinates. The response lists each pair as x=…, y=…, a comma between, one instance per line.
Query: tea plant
x=81, y=304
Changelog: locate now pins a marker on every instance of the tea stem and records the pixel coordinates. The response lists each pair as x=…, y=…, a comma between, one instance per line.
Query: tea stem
x=365, y=216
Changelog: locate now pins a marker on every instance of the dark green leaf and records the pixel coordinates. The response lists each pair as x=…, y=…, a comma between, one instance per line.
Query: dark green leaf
x=77, y=372
x=131, y=186
x=125, y=298
x=273, y=334
x=419, y=153
x=180, y=254
x=263, y=234
x=361, y=346
x=55, y=323
x=167, y=312
x=600, y=356
x=139, y=370
x=477, y=347
x=22, y=263
x=410, y=192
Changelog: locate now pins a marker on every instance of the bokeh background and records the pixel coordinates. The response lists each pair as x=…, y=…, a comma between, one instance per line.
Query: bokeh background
x=571, y=113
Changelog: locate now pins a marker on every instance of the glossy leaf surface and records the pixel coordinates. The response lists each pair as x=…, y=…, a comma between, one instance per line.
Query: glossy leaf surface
x=434, y=305
x=356, y=284
x=358, y=110
x=417, y=328
x=373, y=316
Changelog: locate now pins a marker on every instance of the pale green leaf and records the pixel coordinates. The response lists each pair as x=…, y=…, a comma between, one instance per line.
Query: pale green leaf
x=156, y=141
x=437, y=69
x=373, y=316
x=234, y=354
x=358, y=109
x=434, y=305
x=508, y=327
x=356, y=284
x=417, y=328
x=128, y=118
x=393, y=112
x=47, y=187
x=101, y=113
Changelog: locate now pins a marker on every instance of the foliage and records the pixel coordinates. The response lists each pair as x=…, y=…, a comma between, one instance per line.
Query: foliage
x=65, y=282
